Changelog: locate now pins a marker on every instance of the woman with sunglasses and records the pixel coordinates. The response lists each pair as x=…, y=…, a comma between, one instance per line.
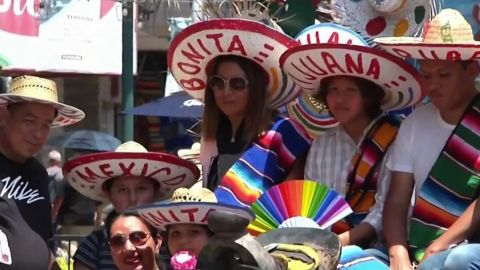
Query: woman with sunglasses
x=246, y=146
x=134, y=243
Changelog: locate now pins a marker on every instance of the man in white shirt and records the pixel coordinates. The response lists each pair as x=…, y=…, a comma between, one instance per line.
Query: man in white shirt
x=420, y=144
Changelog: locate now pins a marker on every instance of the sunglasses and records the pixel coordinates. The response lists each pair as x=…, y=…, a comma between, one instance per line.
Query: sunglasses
x=217, y=82
x=136, y=238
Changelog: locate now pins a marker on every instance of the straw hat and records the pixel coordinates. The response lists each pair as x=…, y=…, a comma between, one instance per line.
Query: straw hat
x=193, y=50
x=40, y=90
x=382, y=18
x=309, y=64
x=188, y=206
x=192, y=153
x=88, y=173
x=447, y=37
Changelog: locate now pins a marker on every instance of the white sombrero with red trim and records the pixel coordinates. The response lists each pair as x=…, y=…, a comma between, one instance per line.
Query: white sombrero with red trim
x=309, y=64
x=447, y=37
x=88, y=173
x=192, y=51
x=306, y=109
x=188, y=206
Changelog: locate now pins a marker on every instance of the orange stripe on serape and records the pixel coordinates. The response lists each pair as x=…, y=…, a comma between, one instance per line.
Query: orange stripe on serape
x=239, y=188
x=432, y=214
x=362, y=204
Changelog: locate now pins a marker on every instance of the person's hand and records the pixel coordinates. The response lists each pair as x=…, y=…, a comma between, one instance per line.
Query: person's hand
x=400, y=264
x=399, y=259
x=434, y=248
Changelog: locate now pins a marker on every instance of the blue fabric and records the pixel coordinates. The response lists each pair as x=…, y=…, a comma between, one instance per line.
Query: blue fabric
x=465, y=257
x=354, y=258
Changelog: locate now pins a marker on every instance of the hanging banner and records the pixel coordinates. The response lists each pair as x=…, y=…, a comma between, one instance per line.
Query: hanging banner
x=65, y=36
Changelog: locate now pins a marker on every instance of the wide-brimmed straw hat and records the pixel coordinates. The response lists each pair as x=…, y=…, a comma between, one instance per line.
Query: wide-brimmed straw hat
x=88, y=173
x=193, y=51
x=40, y=90
x=308, y=65
x=447, y=37
x=188, y=206
x=382, y=18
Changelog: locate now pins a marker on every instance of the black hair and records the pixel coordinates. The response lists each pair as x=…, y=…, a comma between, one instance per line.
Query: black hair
x=113, y=216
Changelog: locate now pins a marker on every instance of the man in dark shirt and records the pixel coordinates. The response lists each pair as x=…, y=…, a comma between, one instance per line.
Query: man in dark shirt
x=27, y=112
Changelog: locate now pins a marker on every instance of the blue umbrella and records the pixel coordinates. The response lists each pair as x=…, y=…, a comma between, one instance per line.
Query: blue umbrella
x=179, y=105
x=85, y=140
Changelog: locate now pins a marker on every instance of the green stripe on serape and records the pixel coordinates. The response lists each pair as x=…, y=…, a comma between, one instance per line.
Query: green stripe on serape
x=468, y=136
x=450, y=173
x=424, y=233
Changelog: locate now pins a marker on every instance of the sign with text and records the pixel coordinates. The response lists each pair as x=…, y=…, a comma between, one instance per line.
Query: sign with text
x=66, y=36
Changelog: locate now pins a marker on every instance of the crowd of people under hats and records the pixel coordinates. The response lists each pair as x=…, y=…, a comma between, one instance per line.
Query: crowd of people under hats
x=399, y=194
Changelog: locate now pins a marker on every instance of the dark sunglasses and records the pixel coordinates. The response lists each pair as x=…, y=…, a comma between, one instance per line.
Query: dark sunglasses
x=136, y=238
x=217, y=82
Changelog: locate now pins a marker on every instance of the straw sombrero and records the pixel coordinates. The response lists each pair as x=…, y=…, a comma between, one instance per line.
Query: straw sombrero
x=88, y=173
x=40, y=90
x=382, y=18
x=307, y=109
x=309, y=64
x=447, y=37
x=192, y=51
x=188, y=206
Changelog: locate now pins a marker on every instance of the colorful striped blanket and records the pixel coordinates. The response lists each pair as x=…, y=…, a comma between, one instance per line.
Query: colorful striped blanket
x=354, y=258
x=364, y=169
x=265, y=163
x=452, y=185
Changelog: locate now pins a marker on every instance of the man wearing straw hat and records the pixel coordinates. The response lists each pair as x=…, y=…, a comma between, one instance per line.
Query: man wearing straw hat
x=436, y=153
x=28, y=111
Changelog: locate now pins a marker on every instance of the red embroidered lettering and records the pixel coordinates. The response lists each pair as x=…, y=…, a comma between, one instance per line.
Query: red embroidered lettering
x=374, y=69
x=193, y=55
x=103, y=168
x=352, y=66
x=166, y=169
x=216, y=38
x=331, y=63
x=402, y=53
x=204, y=219
x=454, y=56
x=193, y=84
x=188, y=68
x=333, y=38
x=191, y=213
x=157, y=218
x=172, y=214
x=236, y=45
x=475, y=56
x=433, y=54
x=126, y=170
x=89, y=177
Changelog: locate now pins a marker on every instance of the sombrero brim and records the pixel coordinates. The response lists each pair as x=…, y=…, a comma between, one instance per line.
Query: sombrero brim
x=316, y=122
x=309, y=64
x=363, y=17
x=163, y=214
x=415, y=48
x=67, y=115
x=193, y=50
x=88, y=173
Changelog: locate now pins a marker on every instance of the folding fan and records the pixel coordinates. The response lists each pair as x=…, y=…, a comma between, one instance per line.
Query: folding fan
x=299, y=203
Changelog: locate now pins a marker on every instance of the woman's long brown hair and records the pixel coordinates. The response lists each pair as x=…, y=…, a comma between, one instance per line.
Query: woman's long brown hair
x=258, y=114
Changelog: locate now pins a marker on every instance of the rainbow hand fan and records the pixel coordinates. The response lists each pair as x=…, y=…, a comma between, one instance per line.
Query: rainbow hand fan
x=299, y=203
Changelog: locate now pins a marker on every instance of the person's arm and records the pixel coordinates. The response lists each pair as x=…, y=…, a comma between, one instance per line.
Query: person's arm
x=360, y=235
x=87, y=254
x=395, y=214
x=465, y=226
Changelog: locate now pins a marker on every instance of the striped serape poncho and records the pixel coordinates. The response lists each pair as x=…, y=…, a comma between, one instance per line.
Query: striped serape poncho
x=265, y=163
x=363, y=174
x=452, y=185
